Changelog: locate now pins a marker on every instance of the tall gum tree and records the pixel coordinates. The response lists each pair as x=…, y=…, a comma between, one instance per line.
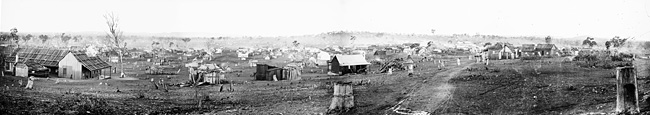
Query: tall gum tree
x=115, y=37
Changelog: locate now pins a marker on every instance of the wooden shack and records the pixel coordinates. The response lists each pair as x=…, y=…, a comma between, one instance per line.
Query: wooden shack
x=266, y=72
x=77, y=65
x=344, y=64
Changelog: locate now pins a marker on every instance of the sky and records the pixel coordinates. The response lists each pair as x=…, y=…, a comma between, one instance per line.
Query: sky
x=559, y=18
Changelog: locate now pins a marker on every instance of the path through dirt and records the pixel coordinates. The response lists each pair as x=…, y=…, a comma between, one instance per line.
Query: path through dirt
x=435, y=92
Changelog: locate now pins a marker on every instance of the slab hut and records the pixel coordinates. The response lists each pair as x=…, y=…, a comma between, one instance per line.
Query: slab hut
x=266, y=72
x=343, y=64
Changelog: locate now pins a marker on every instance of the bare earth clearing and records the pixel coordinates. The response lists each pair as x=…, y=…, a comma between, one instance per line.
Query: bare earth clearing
x=503, y=87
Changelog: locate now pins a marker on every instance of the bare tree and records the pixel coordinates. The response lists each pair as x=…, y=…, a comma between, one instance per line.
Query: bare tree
x=115, y=36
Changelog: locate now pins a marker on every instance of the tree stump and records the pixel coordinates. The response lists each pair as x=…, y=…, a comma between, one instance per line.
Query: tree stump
x=343, y=99
x=627, y=98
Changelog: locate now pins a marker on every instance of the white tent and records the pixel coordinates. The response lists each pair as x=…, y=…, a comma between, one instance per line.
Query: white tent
x=323, y=56
x=193, y=64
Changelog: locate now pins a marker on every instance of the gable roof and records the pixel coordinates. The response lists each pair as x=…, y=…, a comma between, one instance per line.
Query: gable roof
x=347, y=60
x=528, y=47
x=545, y=47
x=500, y=46
x=51, y=57
x=43, y=56
x=91, y=63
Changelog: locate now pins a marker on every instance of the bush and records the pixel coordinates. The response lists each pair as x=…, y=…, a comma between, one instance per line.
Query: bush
x=605, y=64
x=586, y=58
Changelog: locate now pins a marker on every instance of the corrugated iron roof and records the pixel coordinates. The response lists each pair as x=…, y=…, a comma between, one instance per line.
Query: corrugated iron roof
x=91, y=63
x=545, y=46
x=45, y=57
x=51, y=57
x=528, y=47
x=347, y=60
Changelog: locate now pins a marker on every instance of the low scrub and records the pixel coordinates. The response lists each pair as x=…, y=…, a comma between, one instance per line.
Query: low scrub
x=605, y=64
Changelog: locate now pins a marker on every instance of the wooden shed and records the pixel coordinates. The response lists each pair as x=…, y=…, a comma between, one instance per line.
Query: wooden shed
x=77, y=65
x=343, y=64
x=266, y=72
x=262, y=71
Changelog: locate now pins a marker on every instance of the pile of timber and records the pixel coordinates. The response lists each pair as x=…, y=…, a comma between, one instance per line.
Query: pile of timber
x=384, y=65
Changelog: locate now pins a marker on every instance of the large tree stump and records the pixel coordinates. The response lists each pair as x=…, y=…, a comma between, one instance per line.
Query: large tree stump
x=627, y=98
x=343, y=99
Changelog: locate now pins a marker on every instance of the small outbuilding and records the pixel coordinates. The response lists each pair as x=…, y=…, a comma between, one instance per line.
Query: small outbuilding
x=22, y=70
x=343, y=64
x=267, y=72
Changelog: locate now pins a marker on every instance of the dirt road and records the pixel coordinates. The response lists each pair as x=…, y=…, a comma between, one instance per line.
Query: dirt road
x=435, y=92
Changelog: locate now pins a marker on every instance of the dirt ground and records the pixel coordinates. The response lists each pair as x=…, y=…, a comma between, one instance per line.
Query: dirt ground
x=556, y=87
x=549, y=86
x=375, y=93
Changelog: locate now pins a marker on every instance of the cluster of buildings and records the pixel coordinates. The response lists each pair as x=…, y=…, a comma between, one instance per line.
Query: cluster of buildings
x=508, y=51
x=44, y=61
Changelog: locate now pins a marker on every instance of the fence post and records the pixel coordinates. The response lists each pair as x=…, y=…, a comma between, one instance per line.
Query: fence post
x=627, y=98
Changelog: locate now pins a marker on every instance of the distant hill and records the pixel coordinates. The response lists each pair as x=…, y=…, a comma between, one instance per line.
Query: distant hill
x=334, y=38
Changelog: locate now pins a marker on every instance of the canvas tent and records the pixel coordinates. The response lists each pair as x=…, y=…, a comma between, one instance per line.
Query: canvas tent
x=323, y=57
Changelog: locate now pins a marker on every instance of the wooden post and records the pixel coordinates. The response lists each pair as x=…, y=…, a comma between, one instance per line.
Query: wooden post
x=343, y=99
x=627, y=97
